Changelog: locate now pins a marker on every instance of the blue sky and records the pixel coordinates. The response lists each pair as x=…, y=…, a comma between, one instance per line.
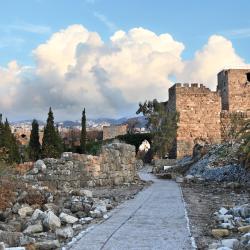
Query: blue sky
x=107, y=55
x=25, y=24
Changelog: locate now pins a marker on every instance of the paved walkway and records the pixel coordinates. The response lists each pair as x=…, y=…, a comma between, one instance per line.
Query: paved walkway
x=155, y=219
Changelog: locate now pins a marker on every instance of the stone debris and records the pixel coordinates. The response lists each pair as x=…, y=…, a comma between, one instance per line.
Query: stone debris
x=58, y=201
x=230, y=219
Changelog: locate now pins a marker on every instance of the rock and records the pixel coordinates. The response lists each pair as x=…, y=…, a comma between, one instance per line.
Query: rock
x=224, y=248
x=10, y=238
x=65, y=232
x=231, y=243
x=81, y=214
x=68, y=218
x=179, y=179
x=37, y=228
x=51, y=221
x=244, y=229
x=2, y=246
x=47, y=245
x=22, y=196
x=16, y=207
x=26, y=240
x=245, y=210
x=40, y=166
x=51, y=207
x=25, y=211
x=87, y=193
x=245, y=238
x=86, y=220
x=223, y=211
x=218, y=233
x=38, y=215
x=227, y=225
x=224, y=218
x=76, y=207
x=95, y=214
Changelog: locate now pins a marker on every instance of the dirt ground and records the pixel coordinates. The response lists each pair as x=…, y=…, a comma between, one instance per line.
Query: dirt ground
x=202, y=200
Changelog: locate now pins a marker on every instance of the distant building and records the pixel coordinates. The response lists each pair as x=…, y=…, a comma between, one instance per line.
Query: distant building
x=110, y=132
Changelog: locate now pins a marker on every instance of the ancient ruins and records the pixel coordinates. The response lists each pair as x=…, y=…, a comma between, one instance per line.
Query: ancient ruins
x=203, y=111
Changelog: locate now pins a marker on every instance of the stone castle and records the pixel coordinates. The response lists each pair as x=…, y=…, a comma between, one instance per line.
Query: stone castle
x=202, y=111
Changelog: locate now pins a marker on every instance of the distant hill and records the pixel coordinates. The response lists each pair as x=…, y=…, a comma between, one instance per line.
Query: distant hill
x=91, y=122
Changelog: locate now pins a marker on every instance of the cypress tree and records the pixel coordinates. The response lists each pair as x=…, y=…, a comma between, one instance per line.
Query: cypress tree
x=1, y=131
x=34, y=143
x=10, y=143
x=83, y=133
x=51, y=147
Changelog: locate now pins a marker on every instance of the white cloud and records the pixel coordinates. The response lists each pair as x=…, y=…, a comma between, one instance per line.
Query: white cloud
x=216, y=55
x=76, y=69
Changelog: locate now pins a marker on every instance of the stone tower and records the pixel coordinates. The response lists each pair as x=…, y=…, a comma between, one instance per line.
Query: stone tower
x=234, y=87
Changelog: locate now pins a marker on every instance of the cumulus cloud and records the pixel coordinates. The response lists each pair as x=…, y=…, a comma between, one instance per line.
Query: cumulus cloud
x=76, y=69
x=216, y=55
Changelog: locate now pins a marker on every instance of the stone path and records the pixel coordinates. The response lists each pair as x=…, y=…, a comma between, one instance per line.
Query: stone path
x=155, y=219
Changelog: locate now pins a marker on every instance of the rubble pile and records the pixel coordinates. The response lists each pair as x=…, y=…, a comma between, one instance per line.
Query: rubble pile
x=233, y=225
x=58, y=198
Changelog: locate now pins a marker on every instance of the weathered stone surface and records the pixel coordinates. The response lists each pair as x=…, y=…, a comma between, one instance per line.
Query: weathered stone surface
x=47, y=245
x=51, y=221
x=87, y=193
x=40, y=166
x=65, y=232
x=38, y=215
x=10, y=238
x=231, y=243
x=68, y=218
x=218, y=233
x=25, y=211
x=244, y=229
x=36, y=228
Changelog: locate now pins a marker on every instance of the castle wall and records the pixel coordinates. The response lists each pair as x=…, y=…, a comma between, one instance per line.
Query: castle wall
x=234, y=85
x=199, y=109
x=110, y=132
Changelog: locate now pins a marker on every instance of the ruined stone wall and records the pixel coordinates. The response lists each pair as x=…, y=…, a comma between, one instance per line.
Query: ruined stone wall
x=226, y=122
x=110, y=132
x=114, y=166
x=199, y=109
x=234, y=85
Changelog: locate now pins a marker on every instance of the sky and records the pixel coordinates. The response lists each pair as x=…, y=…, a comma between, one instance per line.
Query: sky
x=108, y=55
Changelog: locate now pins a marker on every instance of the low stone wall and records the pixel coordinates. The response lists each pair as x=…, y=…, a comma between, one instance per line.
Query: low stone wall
x=115, y=165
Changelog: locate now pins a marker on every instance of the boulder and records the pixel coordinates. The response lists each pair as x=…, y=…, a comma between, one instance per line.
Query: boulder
x=245, y=210
x=47, y=245
x=10, y=238
x=40, y=166
x=65, y=232
x=87, y=193
x=231, y=243
x=36, y=228
x=245, y=238
x=38, y=215
x=223, y=211
x=15, y=208
x=26, y=240
x=218, y=233
x=51, y=221
x=68, y=218
x=52, y=207
x=76, y=207
x=95, y=214
x=25, y=211
x=244, y=229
